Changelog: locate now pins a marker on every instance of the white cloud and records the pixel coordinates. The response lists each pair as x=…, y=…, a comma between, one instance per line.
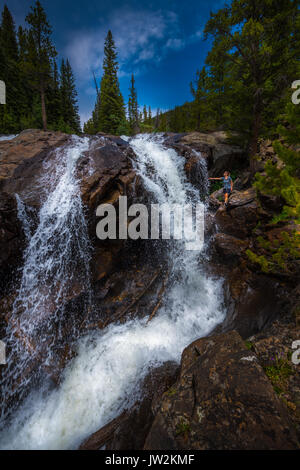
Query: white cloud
x=139, y=36
x=175, y=43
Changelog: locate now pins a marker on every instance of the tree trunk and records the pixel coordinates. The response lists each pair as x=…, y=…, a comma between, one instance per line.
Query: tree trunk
x=44, y=114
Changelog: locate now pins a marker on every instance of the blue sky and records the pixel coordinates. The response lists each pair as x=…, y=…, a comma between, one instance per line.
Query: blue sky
x=161, y=42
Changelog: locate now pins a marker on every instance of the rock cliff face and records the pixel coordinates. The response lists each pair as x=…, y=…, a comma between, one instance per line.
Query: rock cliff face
x=224, y=396
x=222, y=400
x=21, y=163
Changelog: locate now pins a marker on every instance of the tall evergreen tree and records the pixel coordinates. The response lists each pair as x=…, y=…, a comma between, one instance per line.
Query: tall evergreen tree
x=54, y=102
x=199, y=92
x=68, y=94
x=149, y=115
x=40, y=54
x=133, y=108
x=145, y=114
x=9, y=71
x=112, y=111
x=261, y=41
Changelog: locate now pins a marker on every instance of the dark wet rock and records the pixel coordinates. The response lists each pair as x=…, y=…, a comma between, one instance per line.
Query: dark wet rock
x=229, y=248
x=274, y=348
x=129, y=430
x=253, y=301
x=270, y=202
x=105, y=173
x=11, y=237
x=222, y=400
x=242, y=214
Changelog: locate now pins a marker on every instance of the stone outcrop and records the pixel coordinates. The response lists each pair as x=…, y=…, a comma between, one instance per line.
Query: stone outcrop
x=22, y=158
x=21, y=164
x=222, y=400
x=242, y=215
x=221, y=153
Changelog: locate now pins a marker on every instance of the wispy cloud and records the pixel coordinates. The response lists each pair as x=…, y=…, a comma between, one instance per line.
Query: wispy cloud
x=141, y=37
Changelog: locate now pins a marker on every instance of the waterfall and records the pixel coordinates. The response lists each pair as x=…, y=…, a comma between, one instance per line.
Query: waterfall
x=56, y=260
x=103, y=379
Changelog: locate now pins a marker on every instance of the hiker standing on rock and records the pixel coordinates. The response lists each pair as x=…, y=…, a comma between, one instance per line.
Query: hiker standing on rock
x=227, y=185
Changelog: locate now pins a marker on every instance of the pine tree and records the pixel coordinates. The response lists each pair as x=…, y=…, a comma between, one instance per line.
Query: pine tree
x=112, y=111
x=199, y=92
x=149, y=115
x=53, y=99
x=284, y=180
x=133, y=109
x=9, y=72
x=145, y=114
x=216, y=82
x=41, y=51
x=70, y=121
x=261, y=41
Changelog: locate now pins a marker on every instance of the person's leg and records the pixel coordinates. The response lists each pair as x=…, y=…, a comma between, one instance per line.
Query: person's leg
x=226, y=197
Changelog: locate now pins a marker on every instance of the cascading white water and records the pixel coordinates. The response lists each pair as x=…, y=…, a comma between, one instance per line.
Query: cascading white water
x=103, y=379
x=8, y=137
x=57, y=253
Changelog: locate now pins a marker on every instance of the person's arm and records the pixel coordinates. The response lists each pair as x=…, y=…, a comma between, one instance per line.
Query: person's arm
x=214, y=178
x=231, y=185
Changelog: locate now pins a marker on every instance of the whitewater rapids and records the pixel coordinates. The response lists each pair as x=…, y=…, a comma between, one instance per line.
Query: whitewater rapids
x=103, y=379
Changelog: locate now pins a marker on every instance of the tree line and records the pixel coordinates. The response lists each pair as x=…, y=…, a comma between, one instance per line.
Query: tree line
x=242, y=88
x=246, y=81
x=39, y=94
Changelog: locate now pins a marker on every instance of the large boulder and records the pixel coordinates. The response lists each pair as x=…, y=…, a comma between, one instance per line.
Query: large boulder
x=222, y=400
x=105, y=173
x=222, y=154
x=242, y=215
x=22, y=158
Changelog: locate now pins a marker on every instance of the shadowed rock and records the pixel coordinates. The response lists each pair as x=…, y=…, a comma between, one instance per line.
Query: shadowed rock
x=222, y=400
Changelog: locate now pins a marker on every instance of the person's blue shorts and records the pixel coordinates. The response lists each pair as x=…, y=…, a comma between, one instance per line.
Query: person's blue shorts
x=227, y=190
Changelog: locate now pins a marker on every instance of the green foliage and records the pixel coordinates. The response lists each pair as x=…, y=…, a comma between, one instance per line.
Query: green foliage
x=68, y=98
x=261, y=260
x=199, y=92
x=278, y=256
x=171, y=392
x=249, y=345
x=133, y=109
x=249, y=69
x=111, y=110
x=259, y=43
x=279, y=373
x=183, y=428
x=282, y=178
x=29, y=69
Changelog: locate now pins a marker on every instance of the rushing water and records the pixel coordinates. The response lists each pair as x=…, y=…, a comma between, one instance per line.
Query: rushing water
x=103, y=378
x=8, y=137
x=55, y=260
